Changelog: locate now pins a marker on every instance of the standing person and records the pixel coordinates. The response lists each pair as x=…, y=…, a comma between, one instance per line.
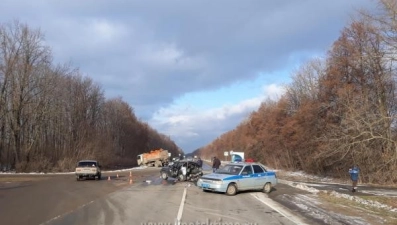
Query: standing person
x=354, y=172
x=199, y=162
x=215, y=164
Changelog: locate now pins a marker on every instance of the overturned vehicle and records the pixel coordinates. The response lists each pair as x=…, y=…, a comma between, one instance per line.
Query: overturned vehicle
x=182, y=170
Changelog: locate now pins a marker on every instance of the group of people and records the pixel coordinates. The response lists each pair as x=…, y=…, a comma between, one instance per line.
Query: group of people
x=216, y=163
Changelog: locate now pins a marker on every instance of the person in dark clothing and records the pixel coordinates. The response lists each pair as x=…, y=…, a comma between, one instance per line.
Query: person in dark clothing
x=215, y=164
x=354, y=172
x=199, y=162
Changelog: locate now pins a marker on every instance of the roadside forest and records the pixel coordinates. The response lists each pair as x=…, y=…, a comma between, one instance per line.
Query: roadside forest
x=51, y=115
x=338, y=110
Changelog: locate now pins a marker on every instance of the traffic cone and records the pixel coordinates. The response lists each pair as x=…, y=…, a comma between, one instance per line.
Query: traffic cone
x=108, y=177
x=130, y=180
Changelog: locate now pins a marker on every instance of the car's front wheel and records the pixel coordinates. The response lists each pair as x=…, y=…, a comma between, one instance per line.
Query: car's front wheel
x=181, y=177
x=231, y=189
x=267, y=188
x=164, y=175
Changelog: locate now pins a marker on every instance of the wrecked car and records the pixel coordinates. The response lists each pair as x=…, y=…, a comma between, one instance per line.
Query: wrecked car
x=182, y=170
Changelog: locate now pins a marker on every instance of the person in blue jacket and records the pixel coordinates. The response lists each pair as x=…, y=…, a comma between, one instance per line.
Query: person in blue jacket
x=354, y=173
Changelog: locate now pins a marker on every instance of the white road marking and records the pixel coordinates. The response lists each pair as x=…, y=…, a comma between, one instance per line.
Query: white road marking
x=59, y=216
x=180, y=211
x=277, y=207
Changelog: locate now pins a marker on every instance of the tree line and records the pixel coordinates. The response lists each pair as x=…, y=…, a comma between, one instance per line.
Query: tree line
x=51, y=116
x=338, y=110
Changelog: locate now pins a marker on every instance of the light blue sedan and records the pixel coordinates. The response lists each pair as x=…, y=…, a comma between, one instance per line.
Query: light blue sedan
x=239, y=176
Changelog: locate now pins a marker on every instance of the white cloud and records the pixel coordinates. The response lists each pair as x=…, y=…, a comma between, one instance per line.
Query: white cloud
x=169, y=57
x=106, y=31
x=185, y=121
x=152, y=53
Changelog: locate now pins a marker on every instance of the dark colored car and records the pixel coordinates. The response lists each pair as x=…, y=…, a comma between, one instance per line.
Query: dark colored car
x=183, y=170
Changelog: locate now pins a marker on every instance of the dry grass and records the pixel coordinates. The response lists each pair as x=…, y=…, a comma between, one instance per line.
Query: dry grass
x=386, y=200
x=373, y=215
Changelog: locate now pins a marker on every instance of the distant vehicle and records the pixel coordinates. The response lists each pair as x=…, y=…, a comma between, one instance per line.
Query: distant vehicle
x=189, y=158
x=157, y=158
x=183, y=170
x=88, y=169
x=239, y=176
x=237, y=156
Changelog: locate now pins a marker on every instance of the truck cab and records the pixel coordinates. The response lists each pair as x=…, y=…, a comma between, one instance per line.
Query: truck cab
x=140, y=160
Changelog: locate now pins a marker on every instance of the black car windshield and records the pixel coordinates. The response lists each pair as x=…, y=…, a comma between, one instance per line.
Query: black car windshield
x=230, y=169
x=86, y=164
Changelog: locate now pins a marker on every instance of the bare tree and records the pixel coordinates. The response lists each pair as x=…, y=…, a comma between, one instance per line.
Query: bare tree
x=25, y=60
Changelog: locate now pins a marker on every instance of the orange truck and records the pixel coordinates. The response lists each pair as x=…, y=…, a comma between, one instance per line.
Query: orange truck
x=157, y=158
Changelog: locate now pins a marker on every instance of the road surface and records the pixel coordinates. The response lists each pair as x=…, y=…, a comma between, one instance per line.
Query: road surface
x=147, y=199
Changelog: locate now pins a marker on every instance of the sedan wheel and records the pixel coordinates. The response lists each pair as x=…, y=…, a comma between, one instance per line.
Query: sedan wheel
x=164, y=176
x=181, y=177
x=231, y=190
x=267, y=188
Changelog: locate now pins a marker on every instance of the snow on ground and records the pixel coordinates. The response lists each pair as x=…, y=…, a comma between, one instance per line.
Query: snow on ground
x=357, y=199
x=325, y=211
x=311, y=205
x=301, y=174
x=36, y=173
x=311, y=188
x=63, y=173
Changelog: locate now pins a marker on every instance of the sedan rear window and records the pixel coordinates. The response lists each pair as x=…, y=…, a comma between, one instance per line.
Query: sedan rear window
x=86, y=164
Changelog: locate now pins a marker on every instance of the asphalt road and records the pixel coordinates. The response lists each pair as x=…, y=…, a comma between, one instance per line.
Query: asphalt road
x=147, y=199
x=36, y=199
x=170, y=202
x=60, y=199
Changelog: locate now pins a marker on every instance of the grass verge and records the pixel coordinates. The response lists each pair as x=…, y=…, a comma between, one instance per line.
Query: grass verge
x=374, y=215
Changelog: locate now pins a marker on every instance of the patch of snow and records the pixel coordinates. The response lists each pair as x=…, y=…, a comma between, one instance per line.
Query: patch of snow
x=133, y=168
x=302, y=174
x=306, y=188
x=36, y=173
x=381, y=192
x=310, y=205
x=299, y=186
x=63, y=173
x=371, y=203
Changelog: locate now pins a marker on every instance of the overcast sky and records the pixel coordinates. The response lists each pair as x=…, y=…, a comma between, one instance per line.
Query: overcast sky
x=192, y=69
